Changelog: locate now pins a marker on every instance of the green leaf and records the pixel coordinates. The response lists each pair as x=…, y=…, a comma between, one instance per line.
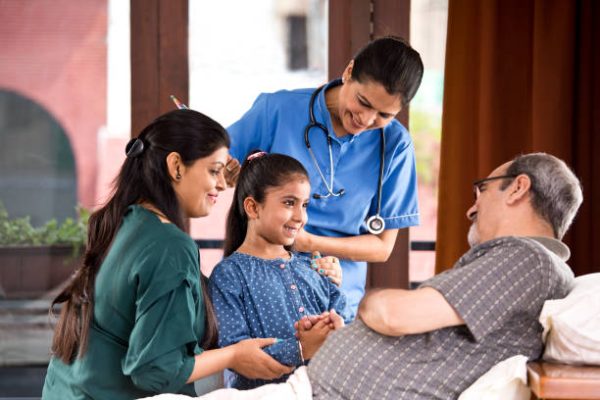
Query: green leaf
x=19, y=231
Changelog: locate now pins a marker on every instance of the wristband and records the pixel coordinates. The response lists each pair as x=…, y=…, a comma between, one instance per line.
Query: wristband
x=301, y=354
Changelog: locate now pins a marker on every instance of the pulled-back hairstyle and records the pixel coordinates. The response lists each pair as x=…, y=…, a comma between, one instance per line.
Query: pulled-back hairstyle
x=391, y=62
x=259, y=172
x=143, y=177
x=555, y=190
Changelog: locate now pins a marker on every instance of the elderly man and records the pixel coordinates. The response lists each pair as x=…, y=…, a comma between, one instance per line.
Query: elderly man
x=435, y=341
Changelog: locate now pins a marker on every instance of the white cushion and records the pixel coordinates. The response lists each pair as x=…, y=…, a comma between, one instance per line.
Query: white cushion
x=505, y=380
x=572, y=325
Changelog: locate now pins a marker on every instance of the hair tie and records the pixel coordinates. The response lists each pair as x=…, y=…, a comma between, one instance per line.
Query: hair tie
x=255, y=155
x=134, y=148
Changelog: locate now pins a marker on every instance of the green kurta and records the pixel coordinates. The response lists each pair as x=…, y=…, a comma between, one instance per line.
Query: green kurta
x=148, y=317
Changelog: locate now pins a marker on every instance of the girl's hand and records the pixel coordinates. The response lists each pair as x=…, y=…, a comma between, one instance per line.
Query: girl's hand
x=331, y=318
x=328, y=266
x=252, y=362
x=232, y=171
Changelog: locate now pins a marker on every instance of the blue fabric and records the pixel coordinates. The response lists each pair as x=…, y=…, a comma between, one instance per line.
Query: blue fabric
x=258, y=298
x=276, y=124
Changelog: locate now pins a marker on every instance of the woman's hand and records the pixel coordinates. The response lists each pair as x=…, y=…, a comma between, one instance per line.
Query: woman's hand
x=303, y=241
x=252, y=362
x=232, y=171
x=328, y=266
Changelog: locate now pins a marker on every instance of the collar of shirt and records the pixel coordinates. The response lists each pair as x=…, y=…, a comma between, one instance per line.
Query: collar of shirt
x=274, y=262
x=323, y=115
x=552, y=245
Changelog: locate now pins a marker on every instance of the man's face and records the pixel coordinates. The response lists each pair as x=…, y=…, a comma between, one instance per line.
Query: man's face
x=487, y=211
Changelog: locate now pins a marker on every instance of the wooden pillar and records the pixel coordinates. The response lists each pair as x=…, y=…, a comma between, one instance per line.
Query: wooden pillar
x=352, y=23
x=159, y=58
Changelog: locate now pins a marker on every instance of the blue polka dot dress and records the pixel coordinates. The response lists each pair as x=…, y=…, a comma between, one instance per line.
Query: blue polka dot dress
x=259, y=298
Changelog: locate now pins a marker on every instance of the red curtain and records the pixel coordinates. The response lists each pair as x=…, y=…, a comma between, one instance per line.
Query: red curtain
x=521, y=76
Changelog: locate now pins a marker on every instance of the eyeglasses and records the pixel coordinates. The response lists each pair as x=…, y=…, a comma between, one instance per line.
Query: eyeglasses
x=479, y=186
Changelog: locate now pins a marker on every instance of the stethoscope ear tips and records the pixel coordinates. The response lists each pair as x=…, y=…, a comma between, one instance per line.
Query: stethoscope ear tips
x=375, y=224
x=318, y=196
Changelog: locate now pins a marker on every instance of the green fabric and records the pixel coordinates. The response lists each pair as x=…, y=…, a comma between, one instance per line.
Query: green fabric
x=148, y=318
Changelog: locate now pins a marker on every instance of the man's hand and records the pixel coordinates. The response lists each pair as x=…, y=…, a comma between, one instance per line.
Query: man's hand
x=252, y=362
x=336, y=320
x=331, y=318
x=232, y=171
x=312, y=338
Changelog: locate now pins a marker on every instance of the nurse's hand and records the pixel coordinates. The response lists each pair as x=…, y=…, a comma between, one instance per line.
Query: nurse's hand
x=303, y=241
x=252, y=362
x=328, y=266
x=232, y=171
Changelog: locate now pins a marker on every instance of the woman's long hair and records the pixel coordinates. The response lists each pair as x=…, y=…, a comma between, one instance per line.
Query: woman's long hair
x=143, y=177
x=259, y=172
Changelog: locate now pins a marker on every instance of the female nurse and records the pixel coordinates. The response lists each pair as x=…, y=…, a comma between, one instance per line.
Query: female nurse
x=135, y=318
x=360, y=159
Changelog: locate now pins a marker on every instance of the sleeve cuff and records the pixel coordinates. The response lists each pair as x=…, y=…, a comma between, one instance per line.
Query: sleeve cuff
x=402, y=221
x=182, y=377
x=286, y=352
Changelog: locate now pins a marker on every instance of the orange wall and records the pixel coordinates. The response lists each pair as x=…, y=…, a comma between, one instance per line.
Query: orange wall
x=54, y=53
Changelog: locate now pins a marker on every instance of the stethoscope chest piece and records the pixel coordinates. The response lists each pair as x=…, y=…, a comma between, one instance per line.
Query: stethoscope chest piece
x=375, y=224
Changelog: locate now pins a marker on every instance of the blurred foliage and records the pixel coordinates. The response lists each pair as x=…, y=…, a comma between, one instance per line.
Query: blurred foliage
x=426, y=133
x=20, y=232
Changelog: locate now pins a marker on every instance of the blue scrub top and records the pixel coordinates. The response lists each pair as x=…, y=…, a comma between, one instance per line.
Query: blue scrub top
x=276, y=124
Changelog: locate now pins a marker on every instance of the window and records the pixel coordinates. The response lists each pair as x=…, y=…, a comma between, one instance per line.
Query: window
x=428, y=37
x=236, y=56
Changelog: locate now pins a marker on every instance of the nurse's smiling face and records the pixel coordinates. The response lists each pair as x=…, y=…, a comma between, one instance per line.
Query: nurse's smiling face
x=362, y=106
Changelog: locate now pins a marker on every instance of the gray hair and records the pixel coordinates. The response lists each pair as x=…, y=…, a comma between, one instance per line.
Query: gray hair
x=556, y=192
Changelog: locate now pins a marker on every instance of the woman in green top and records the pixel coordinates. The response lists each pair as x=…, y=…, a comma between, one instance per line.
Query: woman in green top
x=135, y=318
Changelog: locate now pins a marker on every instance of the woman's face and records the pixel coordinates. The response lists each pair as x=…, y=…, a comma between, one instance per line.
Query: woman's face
x=200, y=183
x=365, y=105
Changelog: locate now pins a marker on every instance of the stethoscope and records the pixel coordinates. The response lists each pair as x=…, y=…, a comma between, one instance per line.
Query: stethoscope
x=375, y=224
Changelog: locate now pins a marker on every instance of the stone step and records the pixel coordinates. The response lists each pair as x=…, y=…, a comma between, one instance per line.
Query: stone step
x=28, y=307
x=22, y=321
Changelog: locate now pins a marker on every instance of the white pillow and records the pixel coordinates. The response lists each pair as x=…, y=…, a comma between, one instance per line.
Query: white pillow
x=505, y=380
x=572, y=325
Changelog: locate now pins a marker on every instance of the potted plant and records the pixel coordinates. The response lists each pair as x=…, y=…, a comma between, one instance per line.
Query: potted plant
x=34, y=260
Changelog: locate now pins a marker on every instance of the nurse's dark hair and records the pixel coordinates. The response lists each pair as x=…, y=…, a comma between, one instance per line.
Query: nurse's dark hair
x=259, y=172
x=391, y=62
x=143, y=177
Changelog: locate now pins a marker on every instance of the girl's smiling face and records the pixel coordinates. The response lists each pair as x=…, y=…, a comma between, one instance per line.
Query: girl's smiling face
x=282, y=214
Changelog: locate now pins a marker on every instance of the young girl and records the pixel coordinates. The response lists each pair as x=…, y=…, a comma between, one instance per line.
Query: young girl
x=262, y=289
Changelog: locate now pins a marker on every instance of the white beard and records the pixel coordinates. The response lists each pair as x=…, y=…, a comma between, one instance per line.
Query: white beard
x=473, y=236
